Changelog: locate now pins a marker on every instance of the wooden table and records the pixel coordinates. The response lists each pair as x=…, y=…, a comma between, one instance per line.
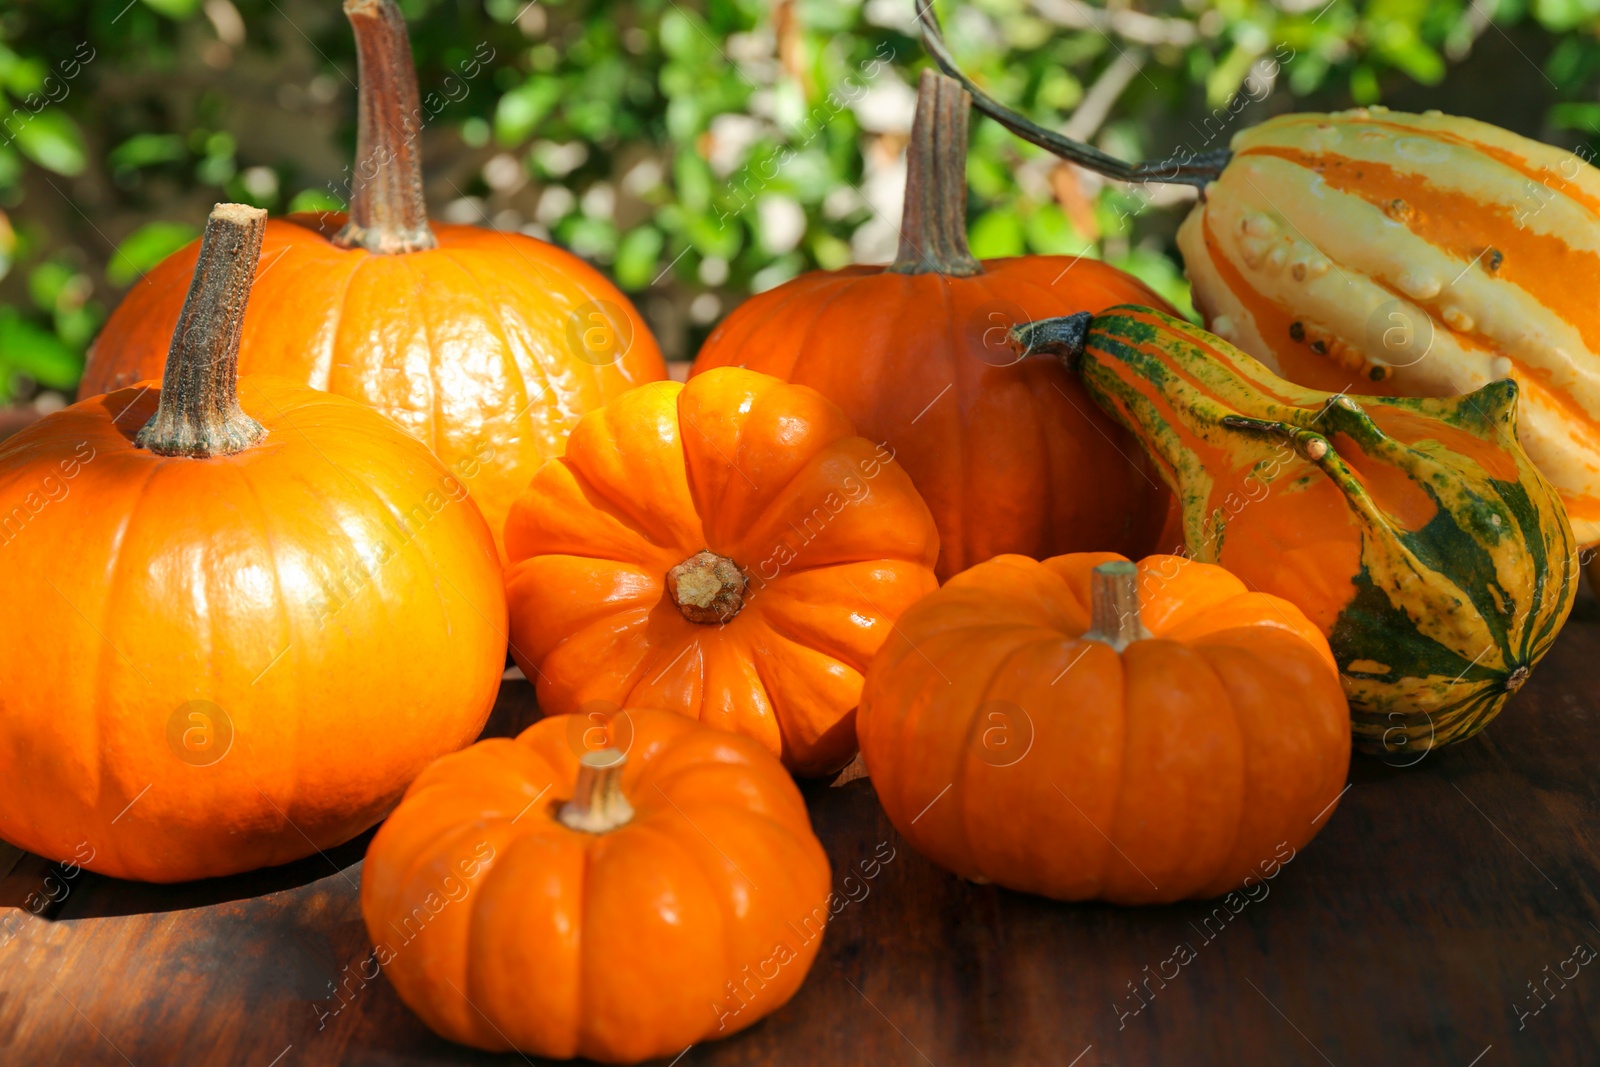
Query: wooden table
x=1407, y=933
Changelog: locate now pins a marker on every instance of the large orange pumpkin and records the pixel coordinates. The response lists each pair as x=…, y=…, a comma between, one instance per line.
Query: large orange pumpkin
x=729, y=549
x=1010, y=456
x=616, y=892
x=486, y=346
x=1087, y=730
x=233, y=636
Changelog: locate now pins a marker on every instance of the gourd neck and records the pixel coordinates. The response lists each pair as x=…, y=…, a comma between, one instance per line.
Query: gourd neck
x=598, y=804
x=199, y=415
x=1114, y=605
x=707, y=588
x=388, y=214
x=933, y=227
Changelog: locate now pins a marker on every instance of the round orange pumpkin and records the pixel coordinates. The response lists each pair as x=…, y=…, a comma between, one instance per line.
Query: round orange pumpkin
x=1011, y=456
x=238, y=622
x=617, y=892
x=730, y=550
x=486, y=346
x=1085, y=729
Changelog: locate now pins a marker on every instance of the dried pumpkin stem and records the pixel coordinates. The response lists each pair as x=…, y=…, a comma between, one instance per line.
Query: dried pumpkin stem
x=1114, y=605
x=388, y=214
x=707, y=588
x=1062, y=337
x=598, y=805
x=199, y=414
x=933, y=227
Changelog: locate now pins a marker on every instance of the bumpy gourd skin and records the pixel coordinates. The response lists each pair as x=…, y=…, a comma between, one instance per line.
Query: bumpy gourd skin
x=212, y=665
x=1415, y=533
x=488, y=348
x=503, y=928
x=831, y=537
x=1007, y=745
x=1011, y=456
x=1372, y=251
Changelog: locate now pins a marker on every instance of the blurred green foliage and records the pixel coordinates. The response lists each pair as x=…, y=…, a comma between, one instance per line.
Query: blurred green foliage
x=697, y=150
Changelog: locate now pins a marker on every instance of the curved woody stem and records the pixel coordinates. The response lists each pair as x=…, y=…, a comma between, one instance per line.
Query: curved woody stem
x=388, y=214
x=1189, y=168
x=199, y=415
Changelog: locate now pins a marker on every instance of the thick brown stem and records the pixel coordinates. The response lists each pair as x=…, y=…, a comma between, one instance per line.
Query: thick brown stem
x=388, y=214
x=199, y=412
x=1114, y=605
x=933, y=227
x=707, y=588
x=598, y=805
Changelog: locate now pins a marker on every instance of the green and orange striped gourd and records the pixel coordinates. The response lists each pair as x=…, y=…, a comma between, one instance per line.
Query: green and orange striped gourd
x=1415, y=533
x=1416, y=255
x=1408, y=255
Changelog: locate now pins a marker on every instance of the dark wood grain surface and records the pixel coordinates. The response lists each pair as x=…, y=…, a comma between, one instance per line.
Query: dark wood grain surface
x=1416, y=929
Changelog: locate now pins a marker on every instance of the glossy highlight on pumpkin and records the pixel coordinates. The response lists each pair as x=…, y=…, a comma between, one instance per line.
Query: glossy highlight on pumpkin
x=232, y=662
x=504, y=927
x=1011, y=740
x=727, y=549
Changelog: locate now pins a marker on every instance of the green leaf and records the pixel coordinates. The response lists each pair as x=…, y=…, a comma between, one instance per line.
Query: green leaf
x=1575, y=115
x=147, y=150
x=1364, y=85
x=682, y=35
x=312, y=201
x=52, y=140
x=637, y=255
x=27, y=349
x=1050, y=233
x=520, y=111
x=47, y=281
x=174, y=9
x=997, y=233
x=145, y=247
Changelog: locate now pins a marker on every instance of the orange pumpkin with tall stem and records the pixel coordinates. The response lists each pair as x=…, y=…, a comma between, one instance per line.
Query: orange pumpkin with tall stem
x=1010, y=456
x=486, y=346
x=245, y=614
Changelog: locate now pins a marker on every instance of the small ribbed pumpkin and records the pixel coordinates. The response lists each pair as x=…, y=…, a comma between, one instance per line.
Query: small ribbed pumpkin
x=1010, y=455
x=617, y=891
x=1414, y=533
x=486, y=346
x=728, y=549
x=240, y=614
x=1086, y=729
